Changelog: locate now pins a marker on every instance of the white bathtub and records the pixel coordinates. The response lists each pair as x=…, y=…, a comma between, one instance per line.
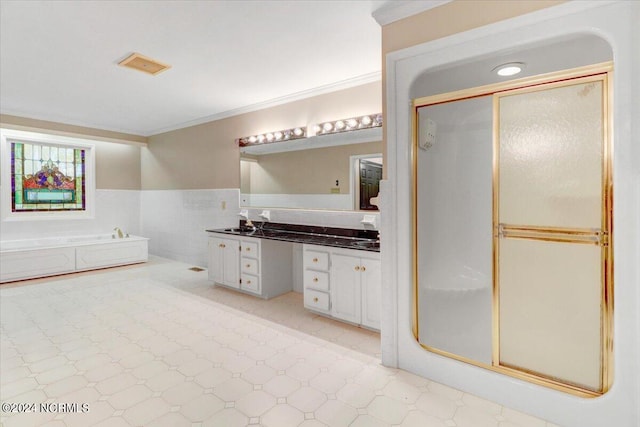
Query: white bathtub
x=27, y=259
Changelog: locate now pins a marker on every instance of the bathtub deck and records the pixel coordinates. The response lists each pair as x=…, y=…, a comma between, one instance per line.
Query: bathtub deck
x=29, y=259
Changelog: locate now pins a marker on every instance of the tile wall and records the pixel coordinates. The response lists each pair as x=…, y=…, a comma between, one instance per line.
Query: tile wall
x=174, y=220
x=114, y=208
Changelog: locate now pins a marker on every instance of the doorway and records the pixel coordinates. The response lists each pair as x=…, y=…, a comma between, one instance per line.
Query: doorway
x=366, y=173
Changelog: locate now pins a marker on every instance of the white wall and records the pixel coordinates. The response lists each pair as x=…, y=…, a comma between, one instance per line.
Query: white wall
x=175, y=220
x=113, y=208
x=617, y=23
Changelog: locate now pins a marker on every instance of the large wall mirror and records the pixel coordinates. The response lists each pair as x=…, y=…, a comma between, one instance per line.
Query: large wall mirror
x=334, y=172
x=513, y=216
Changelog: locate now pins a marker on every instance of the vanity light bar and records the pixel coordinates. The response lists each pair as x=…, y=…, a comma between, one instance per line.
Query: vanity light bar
x=348, y=125
x=277, y=136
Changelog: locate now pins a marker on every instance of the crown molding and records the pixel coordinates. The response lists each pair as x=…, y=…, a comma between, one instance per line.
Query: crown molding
x=395, y=10
x=320, y=90
x=71, y=128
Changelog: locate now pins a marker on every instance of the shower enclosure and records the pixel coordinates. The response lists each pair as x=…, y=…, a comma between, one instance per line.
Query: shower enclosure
x=512, y=224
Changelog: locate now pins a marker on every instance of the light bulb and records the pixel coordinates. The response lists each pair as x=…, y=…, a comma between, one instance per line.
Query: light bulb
x=366, y=120
x=278, y=136
x=253, y=139
x=298, y=132
x=270, y=137
x=327, y=127
x=340, y=125
x=351, y=123
x=509, y=69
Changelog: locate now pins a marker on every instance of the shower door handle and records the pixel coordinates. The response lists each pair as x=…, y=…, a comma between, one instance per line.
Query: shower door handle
x=553, y=234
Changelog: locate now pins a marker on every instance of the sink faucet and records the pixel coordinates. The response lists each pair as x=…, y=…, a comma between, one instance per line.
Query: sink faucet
x=119, y=232
x=244, y=213
x=266, y=217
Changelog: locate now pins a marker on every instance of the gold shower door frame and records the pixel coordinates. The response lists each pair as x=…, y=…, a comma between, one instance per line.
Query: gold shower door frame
x=594, y=73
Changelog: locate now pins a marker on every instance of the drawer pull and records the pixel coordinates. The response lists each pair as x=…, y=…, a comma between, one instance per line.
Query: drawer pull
x=362, y=268
x=315, y=299
x=357, y=268
x=315, y=260
x=248, y=249
x=222, y=245
x=248, y=282
x=315, y=279
x=248, y=265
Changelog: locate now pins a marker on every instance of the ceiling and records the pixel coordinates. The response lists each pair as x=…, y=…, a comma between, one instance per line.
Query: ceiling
x=59, y=60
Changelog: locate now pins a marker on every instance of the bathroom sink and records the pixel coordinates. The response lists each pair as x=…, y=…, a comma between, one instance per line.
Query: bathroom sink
x=270, y=233
x=239, y=230
x=367, y=244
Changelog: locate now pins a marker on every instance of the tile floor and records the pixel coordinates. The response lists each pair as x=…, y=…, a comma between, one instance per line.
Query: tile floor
x=157, y=345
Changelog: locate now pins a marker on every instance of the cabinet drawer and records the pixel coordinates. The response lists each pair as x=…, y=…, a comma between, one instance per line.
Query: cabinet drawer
x=249, y=265
x=316, y=300
x=316, y=260
x=250, y=283
x=316, y=280
x=250, y=249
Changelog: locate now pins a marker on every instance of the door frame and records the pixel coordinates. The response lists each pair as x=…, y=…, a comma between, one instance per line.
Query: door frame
x=354, y=178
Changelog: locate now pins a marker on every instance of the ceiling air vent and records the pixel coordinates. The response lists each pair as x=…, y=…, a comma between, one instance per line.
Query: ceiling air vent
x=144, y=64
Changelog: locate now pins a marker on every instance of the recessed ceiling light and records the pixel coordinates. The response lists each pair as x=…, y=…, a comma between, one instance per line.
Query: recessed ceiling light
x=509, y=69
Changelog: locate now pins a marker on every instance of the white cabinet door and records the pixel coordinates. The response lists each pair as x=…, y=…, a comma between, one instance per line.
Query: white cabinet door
x=231, y=263
x=345, y=287
x=224, y=261
x=371, y=283
x=216, y=256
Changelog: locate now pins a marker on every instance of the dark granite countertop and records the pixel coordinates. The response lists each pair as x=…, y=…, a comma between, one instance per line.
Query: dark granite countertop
x=365, y=240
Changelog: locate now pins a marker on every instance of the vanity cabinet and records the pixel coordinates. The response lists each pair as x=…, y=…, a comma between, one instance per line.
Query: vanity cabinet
x=343, y=283
x=259, y=267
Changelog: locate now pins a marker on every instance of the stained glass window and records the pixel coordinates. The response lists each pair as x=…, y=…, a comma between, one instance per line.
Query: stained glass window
x=47, y=178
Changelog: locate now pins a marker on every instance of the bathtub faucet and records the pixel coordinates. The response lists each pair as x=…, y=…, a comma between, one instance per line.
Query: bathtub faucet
x=119, y=232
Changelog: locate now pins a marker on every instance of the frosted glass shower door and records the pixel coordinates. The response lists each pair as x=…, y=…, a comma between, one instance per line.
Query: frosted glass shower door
x=453, y=227
x=551, y=229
